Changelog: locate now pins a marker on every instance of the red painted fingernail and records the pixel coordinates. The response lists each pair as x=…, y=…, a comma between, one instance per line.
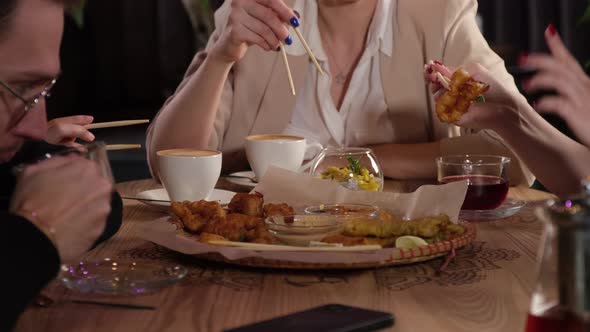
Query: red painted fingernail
x=438, y=62
x=522, y=58
x=551, y=29
x=526, y=84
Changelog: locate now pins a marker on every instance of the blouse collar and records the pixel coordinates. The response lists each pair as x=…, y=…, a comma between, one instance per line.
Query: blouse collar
x=380, y=31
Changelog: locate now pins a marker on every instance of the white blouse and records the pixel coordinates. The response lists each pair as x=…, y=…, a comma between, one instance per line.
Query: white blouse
x=363, y=118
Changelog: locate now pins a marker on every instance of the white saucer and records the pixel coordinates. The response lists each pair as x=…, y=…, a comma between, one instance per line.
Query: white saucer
x=509, y=208
x=222, y=196
x=243, y=181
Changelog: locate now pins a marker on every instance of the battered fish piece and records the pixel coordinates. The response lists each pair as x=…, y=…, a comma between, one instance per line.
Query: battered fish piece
x=462, y=91
x=387, y=226
x=349, y=241
x=248, y=204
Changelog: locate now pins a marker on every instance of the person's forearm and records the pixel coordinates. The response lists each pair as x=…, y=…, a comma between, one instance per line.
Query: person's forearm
x=187, y=120
x=557, y=161
x=408, y=161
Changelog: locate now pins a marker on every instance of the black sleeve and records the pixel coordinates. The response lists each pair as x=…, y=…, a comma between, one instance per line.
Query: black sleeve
x=32, y=150
x=29, y=261
x=113, y=221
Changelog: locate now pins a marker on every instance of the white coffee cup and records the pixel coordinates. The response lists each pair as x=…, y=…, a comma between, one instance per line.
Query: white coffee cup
x=282, y=151
x=189, y=174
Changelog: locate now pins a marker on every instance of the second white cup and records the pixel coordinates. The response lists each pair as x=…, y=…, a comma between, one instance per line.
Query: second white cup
x=282, y=151
x=189, y=174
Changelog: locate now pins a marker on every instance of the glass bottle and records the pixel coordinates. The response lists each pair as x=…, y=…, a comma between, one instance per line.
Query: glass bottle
x=561, y=298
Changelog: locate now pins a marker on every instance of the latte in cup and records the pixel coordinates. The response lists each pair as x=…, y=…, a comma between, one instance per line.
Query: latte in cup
x=189, y=174
x=282, y=151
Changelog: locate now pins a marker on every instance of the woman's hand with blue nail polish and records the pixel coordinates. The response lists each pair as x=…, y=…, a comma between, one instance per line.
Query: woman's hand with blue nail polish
x=254, y=22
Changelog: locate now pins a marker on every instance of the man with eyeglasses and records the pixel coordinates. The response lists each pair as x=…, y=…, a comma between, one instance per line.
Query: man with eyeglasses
x=57, y=209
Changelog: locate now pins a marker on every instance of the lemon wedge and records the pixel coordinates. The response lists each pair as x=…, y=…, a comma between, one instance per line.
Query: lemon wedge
x=409, y=242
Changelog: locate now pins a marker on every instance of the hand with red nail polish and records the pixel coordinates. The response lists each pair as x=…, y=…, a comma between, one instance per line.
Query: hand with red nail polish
x=431, y=70
x=522, y=57
x=561, y=72
x=254, y=22
x=498, y=107
x=544, y=149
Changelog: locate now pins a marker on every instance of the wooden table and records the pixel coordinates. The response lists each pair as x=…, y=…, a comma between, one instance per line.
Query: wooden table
x=487, y=287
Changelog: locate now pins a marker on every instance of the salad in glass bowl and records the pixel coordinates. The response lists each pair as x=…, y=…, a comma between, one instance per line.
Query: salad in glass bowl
x=354, y=168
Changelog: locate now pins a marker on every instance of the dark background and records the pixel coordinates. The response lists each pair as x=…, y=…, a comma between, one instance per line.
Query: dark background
x=131, y=54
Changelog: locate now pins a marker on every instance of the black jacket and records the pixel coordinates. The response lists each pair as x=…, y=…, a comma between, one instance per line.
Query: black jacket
x=29, y=259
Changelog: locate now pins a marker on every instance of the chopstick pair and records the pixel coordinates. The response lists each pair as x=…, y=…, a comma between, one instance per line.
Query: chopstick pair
x=309, y=52
x=112, y=124
x=444, y=81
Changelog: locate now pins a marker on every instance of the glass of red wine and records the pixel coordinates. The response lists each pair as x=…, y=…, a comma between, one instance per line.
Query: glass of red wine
x=486, y=175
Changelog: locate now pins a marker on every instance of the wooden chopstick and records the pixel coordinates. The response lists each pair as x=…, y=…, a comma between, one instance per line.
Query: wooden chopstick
x=309, y=52
x=145, y=199
x=274, y=247
x=445, y=82
x=116, y=305
x=116, y=124
x=286, y=61
x=112, y=147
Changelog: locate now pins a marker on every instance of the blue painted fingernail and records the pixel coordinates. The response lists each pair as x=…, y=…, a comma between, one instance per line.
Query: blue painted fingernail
x=297, y=14
x=288, y=40
x=294, y=21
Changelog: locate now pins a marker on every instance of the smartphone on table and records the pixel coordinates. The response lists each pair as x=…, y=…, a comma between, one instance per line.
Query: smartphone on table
x=326, y=318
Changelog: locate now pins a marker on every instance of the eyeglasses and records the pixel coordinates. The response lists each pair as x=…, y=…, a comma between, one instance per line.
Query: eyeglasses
x=19, y=114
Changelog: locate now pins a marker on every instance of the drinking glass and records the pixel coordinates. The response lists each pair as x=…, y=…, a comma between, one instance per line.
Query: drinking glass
x=95, y=151
x=487, y=178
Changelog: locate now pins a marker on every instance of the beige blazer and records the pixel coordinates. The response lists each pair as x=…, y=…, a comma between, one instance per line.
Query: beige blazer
x=257, y=99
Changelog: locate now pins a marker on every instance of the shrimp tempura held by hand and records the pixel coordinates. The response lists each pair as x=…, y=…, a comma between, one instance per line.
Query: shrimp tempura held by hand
x=458, y=92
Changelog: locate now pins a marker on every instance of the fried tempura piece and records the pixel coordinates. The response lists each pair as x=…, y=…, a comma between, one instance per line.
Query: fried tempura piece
x=207, y=210
x=260, y=235
x=234, y=226
x=248, y=204
x=243, y=220
x=191, y=222
x=463, y=90
x=207, y=237
x=387, y=226
x=194, y=215
x=282, y=209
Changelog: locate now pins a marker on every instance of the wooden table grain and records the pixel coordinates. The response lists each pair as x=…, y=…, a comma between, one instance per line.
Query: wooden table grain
x=486, y=288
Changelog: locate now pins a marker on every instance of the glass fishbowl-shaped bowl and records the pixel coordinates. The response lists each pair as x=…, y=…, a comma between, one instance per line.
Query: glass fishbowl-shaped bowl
x=353, y=168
